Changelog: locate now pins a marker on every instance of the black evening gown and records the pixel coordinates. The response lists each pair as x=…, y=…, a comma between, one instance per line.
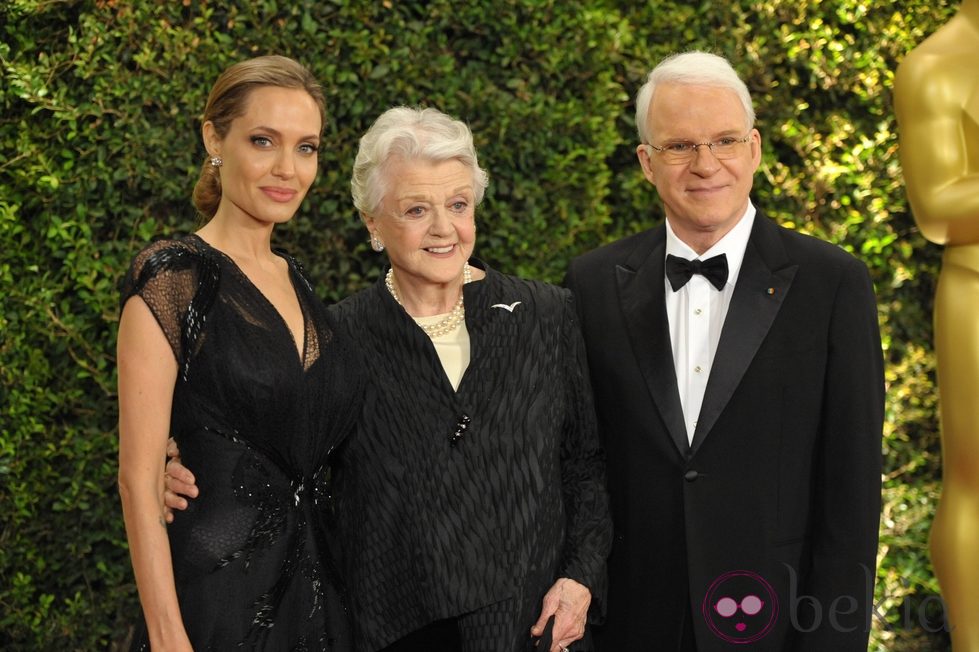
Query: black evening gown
x=256, y=422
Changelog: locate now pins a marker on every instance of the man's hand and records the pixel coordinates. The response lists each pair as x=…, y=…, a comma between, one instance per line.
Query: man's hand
x=178, y=481
x=568, y=601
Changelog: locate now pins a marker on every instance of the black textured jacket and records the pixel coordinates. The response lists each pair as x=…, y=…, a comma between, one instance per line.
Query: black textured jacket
x=433, y=529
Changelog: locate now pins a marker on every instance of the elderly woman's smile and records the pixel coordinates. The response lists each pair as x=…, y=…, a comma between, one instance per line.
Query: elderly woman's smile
x=439, y=250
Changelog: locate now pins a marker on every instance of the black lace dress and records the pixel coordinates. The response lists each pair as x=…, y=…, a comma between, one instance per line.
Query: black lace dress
x=256, y=422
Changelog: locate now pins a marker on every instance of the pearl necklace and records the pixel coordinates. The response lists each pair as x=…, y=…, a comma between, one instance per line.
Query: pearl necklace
x=451, y=321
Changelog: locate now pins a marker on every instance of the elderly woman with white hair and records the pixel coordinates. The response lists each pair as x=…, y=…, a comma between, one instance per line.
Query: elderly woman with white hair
x=470, y=503
x=471, y=499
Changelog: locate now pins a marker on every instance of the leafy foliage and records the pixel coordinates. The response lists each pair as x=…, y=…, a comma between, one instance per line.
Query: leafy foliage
x=99, y=105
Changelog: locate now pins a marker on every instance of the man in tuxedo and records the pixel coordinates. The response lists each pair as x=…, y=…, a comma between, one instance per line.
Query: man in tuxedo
x=738, y=378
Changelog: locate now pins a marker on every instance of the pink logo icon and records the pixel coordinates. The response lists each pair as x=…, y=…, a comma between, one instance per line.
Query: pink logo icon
x=740, y=607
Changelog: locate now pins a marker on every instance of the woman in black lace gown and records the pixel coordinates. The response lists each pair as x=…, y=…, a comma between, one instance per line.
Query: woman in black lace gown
x=224, y=346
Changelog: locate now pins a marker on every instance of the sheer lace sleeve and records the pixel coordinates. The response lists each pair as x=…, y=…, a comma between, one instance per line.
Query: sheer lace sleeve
x=178, y=282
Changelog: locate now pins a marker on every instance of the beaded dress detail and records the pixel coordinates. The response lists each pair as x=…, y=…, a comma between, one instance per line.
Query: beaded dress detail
x=256, y=422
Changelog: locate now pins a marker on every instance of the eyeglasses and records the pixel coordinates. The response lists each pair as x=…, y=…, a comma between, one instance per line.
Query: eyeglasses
x=684, y=151
x=750, y=605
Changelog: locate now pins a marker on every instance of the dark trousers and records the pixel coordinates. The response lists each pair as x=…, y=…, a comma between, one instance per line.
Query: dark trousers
x=440, y=636
x=687, y=642
x=500, y=627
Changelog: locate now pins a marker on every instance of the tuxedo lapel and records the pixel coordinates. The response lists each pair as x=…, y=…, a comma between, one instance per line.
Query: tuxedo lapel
x=642, y=298
x=762, y=285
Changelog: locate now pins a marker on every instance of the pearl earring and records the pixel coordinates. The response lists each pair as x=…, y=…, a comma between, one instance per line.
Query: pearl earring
x=376, y=243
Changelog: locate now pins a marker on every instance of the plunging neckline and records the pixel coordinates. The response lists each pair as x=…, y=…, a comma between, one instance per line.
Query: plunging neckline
x=300, y=353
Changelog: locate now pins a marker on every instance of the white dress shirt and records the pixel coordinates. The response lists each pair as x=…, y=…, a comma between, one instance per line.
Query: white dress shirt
x=696, y=315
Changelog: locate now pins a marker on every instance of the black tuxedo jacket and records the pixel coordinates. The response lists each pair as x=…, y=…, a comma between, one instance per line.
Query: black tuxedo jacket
x=779, y=494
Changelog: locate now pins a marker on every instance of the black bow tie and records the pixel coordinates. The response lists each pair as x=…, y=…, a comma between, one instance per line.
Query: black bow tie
x=679, y=270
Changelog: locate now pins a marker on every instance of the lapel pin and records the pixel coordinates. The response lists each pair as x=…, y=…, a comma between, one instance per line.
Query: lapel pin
x=508, y=308
x=770, y=291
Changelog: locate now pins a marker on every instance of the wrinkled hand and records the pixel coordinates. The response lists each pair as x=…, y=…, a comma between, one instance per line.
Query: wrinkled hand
x=568, y=601
x=178, y=482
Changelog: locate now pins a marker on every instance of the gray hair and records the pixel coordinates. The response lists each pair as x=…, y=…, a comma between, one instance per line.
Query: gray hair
x=693, y=68
x=410, y=133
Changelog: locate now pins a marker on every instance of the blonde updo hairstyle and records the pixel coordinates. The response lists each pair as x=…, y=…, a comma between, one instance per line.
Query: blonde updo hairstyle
x=229, y=99
x=410, y=133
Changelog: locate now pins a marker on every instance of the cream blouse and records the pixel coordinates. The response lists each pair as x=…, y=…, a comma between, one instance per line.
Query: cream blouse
x=452, y=348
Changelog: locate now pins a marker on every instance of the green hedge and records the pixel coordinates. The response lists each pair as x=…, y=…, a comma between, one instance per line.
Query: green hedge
x=98, y=127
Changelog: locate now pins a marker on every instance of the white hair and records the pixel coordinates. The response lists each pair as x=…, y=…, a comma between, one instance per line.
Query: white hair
x=693, y=68
x=410, y=133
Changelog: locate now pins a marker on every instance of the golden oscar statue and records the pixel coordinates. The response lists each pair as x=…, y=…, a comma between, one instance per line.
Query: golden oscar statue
x=936, y=96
